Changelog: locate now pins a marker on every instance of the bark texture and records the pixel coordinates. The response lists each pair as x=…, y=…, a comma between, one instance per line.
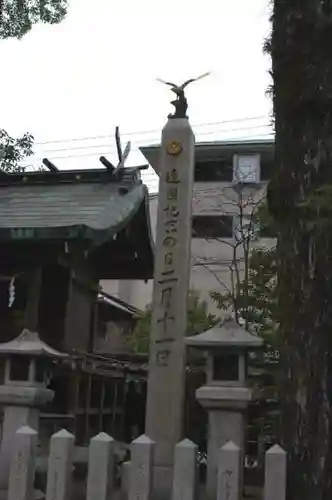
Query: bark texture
x=300, y=199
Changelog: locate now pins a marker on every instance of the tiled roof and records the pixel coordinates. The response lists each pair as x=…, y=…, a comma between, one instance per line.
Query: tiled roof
x=68, y=210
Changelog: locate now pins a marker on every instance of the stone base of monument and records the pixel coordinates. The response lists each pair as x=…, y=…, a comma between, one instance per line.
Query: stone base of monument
x=162, y=482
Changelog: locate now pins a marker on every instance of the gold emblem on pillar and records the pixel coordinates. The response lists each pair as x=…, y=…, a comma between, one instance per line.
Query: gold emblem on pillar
x=174, y=148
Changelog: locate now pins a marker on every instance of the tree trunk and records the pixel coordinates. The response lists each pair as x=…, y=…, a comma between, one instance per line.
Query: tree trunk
x=300, y=199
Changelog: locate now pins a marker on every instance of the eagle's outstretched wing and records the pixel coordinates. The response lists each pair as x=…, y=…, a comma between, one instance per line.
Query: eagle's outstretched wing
x=167, y=83
x=183, y=86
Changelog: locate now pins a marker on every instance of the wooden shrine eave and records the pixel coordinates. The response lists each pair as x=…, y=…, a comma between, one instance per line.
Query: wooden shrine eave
x=113, y=308
x=104, y=365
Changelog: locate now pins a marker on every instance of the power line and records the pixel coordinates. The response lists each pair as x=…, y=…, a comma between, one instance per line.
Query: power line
x=113, y=148
x=100, y=153
x=74, y=139
x=34, y=160
x=110, y=151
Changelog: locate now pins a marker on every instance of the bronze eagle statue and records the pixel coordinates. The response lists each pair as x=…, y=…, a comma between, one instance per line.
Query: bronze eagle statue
x=180, y=103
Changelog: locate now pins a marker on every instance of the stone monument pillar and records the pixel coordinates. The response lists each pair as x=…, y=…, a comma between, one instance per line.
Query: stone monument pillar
x=226, y=394
x=166, y=381
x=27, y=364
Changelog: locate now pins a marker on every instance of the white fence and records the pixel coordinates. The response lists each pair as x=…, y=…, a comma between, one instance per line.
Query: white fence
x=101, y=469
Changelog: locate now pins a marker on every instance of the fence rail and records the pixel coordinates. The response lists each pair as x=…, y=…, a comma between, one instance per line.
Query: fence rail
x=139, y=474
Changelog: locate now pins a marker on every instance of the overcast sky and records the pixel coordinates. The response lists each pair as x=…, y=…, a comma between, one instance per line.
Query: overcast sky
x=98, y=69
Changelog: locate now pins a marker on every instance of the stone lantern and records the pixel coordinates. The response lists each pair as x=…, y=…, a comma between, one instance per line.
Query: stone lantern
x=26, y=366
x=226, y=394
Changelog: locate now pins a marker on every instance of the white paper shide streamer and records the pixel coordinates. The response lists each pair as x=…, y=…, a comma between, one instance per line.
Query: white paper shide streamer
x=11, y=292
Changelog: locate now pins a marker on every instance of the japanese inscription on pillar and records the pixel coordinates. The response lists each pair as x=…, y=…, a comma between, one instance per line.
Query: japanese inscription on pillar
x=168, y=280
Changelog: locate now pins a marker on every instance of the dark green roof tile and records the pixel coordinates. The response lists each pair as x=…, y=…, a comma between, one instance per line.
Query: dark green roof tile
x=66, y=209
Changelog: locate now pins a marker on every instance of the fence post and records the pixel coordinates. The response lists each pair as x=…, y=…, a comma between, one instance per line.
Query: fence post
x=185, y=468
x=101, y=467
x=275, y=474
x=22, y=468
x=60, y=465
x=229, y=472
x=125, y=478
x=140, y=474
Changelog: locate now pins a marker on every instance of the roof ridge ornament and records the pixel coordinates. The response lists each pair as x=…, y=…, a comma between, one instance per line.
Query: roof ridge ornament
x=122, y=155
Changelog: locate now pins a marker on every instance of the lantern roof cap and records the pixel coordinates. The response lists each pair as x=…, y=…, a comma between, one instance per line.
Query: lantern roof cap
x=227, y=334
x=29, y=343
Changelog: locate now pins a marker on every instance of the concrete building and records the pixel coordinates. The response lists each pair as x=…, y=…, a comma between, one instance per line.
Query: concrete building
x=230, y=182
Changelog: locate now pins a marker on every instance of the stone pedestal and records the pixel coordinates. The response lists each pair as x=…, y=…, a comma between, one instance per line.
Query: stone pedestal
x=166, y=382
x=226, y=408
x=21, y=409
